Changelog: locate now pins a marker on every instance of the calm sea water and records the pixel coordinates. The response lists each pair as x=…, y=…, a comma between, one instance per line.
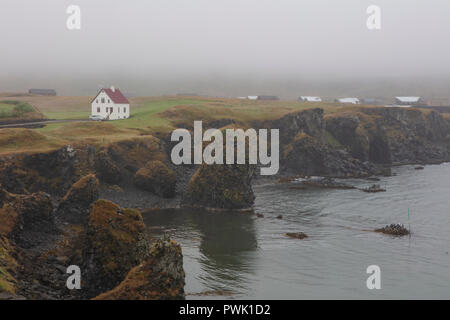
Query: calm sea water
x=249, y=257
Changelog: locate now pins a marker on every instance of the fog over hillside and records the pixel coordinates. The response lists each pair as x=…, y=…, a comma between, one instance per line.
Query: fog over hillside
x=228, y=48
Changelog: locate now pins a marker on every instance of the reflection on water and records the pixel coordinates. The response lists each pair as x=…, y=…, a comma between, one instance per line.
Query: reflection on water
x=225, y=242
x=252, y=257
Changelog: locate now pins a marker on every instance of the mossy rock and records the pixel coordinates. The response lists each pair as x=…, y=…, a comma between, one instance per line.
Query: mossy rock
x=115, y=243
x=77, y=200
x=8, y=266
x=21, y=214
x=156, y=177
x=106, y=169
x=160, y=277
x=135, y=153
x=221, y=187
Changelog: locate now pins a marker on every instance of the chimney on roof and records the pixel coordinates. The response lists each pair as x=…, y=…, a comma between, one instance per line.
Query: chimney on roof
x=113, y=89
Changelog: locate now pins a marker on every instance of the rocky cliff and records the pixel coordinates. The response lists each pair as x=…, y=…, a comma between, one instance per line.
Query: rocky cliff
x=361, y=141
x=221, y=187
x=37, y=245
x=51, y=218
x=160, y=277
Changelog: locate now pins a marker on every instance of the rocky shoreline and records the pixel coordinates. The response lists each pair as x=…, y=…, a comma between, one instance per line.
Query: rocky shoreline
x=67, y=206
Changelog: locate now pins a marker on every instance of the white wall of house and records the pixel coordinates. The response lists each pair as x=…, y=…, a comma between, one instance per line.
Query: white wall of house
x=102, y=105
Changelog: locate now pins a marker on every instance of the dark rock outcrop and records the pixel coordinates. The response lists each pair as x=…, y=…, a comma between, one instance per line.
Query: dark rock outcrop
x=309, y=122
x=414, y=136
x=131, y=155
x=360, y=141
x=160, y=277
x=297, y=235
x=106, y=169
x=156, y=177
x=308, y=148
x=307, y=156
x=115, y=243
x=23, y=217
x=364, y=140
x=74, y=207
x=51, y=172
x=394, y=230
x=221, y=187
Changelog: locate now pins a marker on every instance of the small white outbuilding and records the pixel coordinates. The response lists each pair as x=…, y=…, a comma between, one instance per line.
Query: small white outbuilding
x=348, y=100
x=111, y=104
x=409, y=101
x=310, y=99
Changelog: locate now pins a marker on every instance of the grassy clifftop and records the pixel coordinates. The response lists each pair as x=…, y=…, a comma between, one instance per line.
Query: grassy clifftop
x=149, y=116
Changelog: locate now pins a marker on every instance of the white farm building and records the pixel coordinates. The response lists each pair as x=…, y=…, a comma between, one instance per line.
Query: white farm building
x=110, y=104
x=310, y=99
x=348, y=100
x=410, y=101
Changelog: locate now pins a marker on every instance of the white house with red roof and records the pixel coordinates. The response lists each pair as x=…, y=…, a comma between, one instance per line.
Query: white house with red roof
x=110, y=104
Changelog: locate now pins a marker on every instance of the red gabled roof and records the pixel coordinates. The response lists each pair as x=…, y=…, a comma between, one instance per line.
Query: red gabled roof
x=116, y=96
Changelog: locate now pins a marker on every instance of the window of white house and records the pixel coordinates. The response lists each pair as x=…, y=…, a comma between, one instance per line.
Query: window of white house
x=96, y=101
x=98, y=109
x=103, y=100
x=109, y=101
x=125, y=109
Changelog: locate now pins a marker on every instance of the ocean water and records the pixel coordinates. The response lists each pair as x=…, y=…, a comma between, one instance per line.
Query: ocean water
x=235, y=255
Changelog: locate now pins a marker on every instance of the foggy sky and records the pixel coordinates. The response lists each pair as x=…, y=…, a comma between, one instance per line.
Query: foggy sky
x=166, y=43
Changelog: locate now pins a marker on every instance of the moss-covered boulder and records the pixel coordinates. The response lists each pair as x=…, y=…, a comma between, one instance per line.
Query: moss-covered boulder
x=51, y=172
x=25, y=222
x=221, y=187
x=22, y=216
x=160, y=277
x=134, y=153
x=75, y=204
x=115, y=243
x=8, y=267
x=106, y=169
x=156, y=177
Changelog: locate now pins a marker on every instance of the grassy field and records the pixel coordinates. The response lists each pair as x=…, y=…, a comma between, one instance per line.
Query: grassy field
x=17, y=110
x=58, y=107
x=5, y=109
x=148, y=115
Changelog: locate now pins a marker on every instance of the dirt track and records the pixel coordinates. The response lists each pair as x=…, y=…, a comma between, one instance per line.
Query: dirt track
x=37, y=123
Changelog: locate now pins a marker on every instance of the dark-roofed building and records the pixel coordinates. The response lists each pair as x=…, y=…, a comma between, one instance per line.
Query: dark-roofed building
x=269, y=98
x=373, y=101
x=43, y=92
x=187, y=94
